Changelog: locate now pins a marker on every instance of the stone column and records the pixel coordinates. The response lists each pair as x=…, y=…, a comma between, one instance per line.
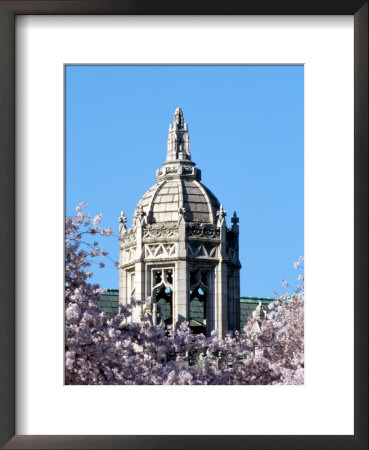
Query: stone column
x=210, y=303
x=122, y=273
x=122, y=286
x=221, y=298
x=139, y=267
x=181, y=283
x=221, y=278
x=236, y=273
x=231, y=300
x=237, y=298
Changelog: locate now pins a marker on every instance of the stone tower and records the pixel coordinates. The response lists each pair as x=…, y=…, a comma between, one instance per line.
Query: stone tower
x=179, y=253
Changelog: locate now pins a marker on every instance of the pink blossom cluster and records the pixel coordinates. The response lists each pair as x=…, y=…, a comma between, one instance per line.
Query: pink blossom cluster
x=102, y=350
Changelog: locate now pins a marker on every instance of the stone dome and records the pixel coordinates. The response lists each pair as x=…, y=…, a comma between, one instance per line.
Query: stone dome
x=178, y=193
x=162, y=202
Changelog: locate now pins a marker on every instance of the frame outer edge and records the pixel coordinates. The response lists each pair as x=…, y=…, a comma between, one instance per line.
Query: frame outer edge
x=176, y=442
x=191, y=7
x=7, y=224
x=7, y=263
x=361, y=227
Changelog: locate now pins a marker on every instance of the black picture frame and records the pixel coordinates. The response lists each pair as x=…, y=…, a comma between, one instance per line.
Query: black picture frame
x=8, y=11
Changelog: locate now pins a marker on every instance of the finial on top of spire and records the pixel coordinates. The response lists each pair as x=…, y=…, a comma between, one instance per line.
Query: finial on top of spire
x=178, y=117
x=122, y=220
x=221, y=216
x=235, y=220
x=221, y=213
x=178, y=139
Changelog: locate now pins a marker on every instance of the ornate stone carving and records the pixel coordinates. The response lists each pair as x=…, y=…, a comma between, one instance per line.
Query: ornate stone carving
x=178, y=139
x=187, y=169
x=202, y=251
x=232, y=255
x=181, y=214
x=140, y=215
x=199, y=278
x=221, y=215
x=129, y=236
x=129, y=255
x=259, y=314
x=235, y=220
x=153, y=231
x=171, y=169
x=122, y=223
x=160, y=250
x=203, y=230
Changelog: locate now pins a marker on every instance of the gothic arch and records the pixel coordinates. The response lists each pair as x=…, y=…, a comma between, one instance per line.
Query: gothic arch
x=162, y=296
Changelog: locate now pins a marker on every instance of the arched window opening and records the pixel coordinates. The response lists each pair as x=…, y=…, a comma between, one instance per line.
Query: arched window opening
x=204, y=277
x=198, y=310
x=168, y=276
x=164, y=305
x=158, y=276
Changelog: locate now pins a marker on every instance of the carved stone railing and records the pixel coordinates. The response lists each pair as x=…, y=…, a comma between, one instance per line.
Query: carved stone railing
x=202, y=250
x=203, y=231
x=158, y=230
x=160, y=250
x=128, y=238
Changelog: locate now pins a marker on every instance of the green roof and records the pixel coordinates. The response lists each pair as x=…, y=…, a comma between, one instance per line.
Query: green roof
x=109, y=301
x=248, y=305
x=263, y=300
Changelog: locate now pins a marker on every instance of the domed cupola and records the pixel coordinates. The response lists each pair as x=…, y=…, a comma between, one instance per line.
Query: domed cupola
x=179, y=246
x=178, y=190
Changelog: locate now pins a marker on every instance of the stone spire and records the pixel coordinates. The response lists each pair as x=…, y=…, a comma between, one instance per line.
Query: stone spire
x=178, y=164
x=178, y=139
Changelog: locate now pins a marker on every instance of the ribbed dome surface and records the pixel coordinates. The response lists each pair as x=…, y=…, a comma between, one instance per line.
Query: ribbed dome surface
x=163, y=200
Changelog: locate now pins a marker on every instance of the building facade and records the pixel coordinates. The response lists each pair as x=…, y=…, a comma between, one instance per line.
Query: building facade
x=179, y=253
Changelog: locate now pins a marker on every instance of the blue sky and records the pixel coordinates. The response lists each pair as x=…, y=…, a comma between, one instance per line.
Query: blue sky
x=246, y=127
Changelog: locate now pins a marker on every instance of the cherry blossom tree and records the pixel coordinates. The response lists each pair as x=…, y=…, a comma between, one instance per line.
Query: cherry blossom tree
x=102, y=350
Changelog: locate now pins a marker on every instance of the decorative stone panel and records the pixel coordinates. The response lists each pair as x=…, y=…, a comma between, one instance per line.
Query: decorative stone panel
x=129, y=254
x=130, y=236
x=154, y=231
x=201, y=251
x=160, y=250
x=203, y=230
